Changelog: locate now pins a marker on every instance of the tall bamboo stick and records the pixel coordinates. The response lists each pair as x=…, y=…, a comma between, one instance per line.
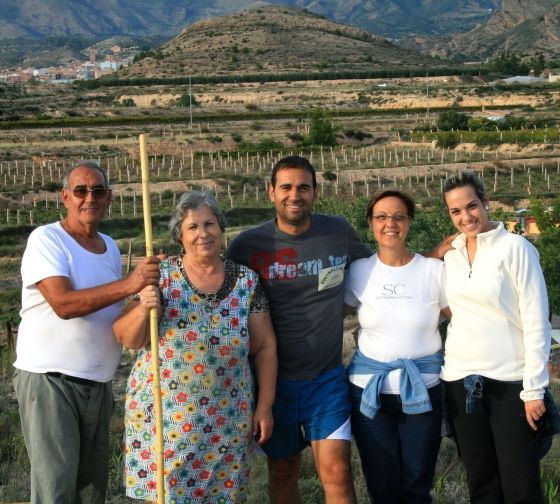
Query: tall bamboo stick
x=156, y=388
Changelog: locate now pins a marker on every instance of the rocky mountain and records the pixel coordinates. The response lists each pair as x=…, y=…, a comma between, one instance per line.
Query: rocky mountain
x=269, y=39
x=54, y=51
x=41, y=52
x=392, y=19
x=524, y=27
x=474, y=29
x=401, y=19
x=94, y=18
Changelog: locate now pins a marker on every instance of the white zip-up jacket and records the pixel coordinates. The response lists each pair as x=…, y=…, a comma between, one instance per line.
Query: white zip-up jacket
x=500, y=327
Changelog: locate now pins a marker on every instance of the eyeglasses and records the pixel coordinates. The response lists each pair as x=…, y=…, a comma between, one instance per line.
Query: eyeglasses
x=398, y=218
x=81, y=192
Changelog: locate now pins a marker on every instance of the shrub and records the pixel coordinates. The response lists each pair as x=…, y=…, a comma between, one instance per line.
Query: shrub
x=487, y=138
x=452, y=120
x=268, y=144
x=128, y=102
x=447, y=140
x=357, y=134
x=296, y=137
x=52, y=186
x=321, y=129
x=185, y=100
x=363, y=98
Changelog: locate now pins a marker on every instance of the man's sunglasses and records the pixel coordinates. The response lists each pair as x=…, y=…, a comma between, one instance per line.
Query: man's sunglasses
x=81, y=192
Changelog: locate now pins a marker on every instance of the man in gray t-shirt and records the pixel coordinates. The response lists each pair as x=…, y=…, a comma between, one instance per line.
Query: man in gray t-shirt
x=301, y=259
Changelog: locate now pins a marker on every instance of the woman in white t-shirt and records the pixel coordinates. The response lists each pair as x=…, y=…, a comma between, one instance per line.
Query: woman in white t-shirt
x=496, y=351
x=394, y=375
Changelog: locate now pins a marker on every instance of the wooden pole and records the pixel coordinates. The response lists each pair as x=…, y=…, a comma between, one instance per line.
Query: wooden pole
x=156, y=388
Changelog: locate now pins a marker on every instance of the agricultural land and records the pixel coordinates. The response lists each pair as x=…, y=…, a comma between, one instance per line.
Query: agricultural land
x=394, y=128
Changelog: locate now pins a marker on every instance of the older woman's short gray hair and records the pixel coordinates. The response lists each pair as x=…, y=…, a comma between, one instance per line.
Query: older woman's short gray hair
x=192, y=200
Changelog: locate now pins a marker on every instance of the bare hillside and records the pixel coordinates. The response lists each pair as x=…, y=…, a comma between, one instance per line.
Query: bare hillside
x=525, y=27
x=270, y=39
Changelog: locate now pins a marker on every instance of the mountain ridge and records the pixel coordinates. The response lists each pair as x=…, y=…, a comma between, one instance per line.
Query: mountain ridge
x=523, y=27
x=452, y=29
x=269, y=39
x=393, y=19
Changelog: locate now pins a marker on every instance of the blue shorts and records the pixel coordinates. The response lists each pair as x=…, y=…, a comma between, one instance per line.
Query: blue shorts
x=306, y=411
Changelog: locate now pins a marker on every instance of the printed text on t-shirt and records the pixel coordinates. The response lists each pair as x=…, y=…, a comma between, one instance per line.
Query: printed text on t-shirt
x=394, y=291
x=284, y=264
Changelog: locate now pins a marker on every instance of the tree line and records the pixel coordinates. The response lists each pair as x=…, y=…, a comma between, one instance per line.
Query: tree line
x=380, y=73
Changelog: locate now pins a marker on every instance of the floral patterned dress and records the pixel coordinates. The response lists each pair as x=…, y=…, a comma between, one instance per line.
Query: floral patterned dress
x=207, y=392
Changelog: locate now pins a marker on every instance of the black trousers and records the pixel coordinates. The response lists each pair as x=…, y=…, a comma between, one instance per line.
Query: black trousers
x=497, y=446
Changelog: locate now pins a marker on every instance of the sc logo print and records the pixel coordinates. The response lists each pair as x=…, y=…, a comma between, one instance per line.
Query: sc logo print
x=394, y=289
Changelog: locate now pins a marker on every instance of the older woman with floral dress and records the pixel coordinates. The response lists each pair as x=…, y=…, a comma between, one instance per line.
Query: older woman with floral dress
x=213, y=320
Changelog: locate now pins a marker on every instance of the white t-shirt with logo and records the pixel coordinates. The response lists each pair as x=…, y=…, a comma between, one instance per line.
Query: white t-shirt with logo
x=398, y=311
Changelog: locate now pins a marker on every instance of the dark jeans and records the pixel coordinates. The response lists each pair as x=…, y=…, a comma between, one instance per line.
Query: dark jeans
x=496, y=445
x=398, y=451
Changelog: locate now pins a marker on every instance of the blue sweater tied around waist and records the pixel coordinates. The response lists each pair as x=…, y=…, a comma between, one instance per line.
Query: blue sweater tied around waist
x=413, y=392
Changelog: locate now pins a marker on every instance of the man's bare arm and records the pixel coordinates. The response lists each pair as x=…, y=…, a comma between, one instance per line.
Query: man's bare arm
x=68, y=302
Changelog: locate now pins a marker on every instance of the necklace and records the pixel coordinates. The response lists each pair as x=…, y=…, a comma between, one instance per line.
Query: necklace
x=231, y=272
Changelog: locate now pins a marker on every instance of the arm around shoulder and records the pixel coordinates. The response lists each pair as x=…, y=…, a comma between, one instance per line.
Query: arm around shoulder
x=444, y=246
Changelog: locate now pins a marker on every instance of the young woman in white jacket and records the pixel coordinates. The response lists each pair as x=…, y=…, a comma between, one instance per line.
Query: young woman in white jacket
x=496, y=351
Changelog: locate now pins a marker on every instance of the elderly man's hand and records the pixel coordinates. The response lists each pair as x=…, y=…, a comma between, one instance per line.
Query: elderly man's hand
x=145, y=273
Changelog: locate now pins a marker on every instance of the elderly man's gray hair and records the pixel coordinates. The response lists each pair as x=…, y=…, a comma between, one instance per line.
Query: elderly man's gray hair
x=85, y=164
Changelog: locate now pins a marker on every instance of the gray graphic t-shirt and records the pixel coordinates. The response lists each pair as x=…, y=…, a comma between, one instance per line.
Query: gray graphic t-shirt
x=303, y=277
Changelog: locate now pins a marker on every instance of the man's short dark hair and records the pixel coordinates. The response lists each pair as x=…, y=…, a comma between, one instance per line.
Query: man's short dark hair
x=293, y=162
